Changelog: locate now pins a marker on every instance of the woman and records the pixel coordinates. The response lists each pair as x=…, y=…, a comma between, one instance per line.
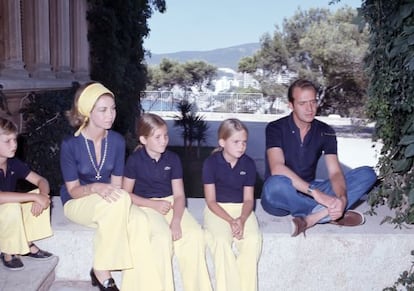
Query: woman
x=92, y=164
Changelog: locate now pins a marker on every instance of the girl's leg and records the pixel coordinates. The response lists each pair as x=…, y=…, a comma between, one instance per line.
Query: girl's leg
x=144, y=275
x=249, y=248
x=191, y=255
x=220, y=242
x=161, y=242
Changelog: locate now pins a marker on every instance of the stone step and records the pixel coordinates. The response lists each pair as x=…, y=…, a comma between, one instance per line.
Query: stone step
x=36, y=276
x=367, y=257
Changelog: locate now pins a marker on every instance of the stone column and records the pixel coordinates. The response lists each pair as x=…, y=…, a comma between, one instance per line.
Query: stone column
x=11, y=53
x=80, y=51
x=60, y=38
x=42, y=61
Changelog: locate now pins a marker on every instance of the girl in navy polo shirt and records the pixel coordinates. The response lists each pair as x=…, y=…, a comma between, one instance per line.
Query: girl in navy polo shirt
x=153, y=176
x=24, y=217
x=229, y=176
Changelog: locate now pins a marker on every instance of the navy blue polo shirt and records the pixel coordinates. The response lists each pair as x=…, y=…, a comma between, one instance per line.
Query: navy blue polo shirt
x=153, y=178
x=75, y=163
x=302, y=158
x=16, y=170
x=229, y=182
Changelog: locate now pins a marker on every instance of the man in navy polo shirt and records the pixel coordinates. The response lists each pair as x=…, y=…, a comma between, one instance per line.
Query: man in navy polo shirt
x=294, y=145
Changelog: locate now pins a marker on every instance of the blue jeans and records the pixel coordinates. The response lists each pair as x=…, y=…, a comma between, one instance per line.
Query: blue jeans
x=280, y=198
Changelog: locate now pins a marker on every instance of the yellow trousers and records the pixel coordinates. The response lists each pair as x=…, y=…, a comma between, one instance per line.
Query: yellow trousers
x=189, y=250
x=18, y=226
x=234, y=269
x=121, y=239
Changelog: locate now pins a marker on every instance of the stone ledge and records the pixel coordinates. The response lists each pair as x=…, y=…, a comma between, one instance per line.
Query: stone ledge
x=36, y=276
x=368, y=257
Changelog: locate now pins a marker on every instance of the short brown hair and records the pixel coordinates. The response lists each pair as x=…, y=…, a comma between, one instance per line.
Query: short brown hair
x=7, y=126
x=303, y=84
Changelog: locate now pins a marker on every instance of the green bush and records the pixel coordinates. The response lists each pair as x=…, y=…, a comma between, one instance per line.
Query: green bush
x=45, y=127
x=390, y=66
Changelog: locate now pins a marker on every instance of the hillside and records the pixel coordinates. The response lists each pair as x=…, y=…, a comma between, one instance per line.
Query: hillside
x=221, y=58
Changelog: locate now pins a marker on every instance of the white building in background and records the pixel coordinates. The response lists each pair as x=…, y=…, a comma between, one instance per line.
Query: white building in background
x=228, y=78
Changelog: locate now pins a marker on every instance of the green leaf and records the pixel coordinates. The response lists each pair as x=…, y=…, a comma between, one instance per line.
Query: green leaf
x=401, y=165
x=407, y=139
x=409, y=151
x=411, y=197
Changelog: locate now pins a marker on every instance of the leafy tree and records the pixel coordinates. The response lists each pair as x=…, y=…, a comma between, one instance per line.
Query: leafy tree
x=170, y=73
x=116, y=33
x=270, y=61
x=320, y=45
x=337, y=47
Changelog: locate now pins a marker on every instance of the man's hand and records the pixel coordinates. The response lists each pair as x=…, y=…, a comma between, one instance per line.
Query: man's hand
x=336, y=210
x=323, y=198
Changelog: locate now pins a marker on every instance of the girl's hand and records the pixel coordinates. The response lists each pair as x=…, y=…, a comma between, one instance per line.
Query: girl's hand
x=238, y=228
x=162, y=206
x=175, y=230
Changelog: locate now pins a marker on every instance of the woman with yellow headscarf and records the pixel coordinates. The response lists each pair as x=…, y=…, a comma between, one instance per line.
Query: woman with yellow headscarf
x=92, y=164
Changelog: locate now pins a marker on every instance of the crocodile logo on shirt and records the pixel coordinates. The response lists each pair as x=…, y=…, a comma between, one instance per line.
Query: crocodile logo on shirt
x=167, y=168
x=242, y=173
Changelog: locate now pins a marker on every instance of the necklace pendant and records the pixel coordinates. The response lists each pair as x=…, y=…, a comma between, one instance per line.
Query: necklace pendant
x=98, y=176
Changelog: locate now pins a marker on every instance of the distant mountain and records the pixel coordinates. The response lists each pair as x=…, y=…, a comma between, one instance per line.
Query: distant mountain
x=221, y=58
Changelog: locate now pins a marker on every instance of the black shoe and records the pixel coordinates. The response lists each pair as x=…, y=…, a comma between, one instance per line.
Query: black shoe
x=39, y=255
x=14, y=264
x=108, y=284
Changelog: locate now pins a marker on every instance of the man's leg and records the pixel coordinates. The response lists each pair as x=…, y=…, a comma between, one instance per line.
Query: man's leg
x=358, y=182
x=280, y=198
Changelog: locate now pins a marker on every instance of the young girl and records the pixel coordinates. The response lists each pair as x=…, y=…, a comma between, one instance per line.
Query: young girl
x=229, y=177
x=153, y=176
x=25, y=217
x=92, y=164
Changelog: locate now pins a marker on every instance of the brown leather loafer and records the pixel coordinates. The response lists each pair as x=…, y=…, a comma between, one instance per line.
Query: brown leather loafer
x=350, y=218
x=299, y=226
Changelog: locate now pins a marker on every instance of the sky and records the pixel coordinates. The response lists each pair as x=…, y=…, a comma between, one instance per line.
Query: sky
x=201, y=25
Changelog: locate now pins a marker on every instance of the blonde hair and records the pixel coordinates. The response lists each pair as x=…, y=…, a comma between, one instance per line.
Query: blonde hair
x=147, y=124
x=7, y=126
x=227, y=128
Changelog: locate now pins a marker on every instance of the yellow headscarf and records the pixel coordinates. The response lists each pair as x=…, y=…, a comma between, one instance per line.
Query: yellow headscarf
x=88, y=99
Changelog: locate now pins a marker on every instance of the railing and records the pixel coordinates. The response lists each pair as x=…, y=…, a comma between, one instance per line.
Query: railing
x=210, y=102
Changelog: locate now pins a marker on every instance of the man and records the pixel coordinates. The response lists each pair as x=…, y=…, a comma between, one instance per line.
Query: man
x=294, y=145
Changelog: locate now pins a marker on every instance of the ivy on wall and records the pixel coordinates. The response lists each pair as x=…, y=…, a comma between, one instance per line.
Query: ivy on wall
x=390, y=66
